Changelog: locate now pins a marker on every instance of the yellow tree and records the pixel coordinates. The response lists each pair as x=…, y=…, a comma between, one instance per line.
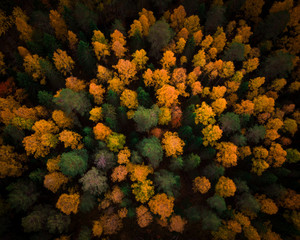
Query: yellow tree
x=73, y=40
x=140, y=59
x=211, y=134
x=168, y=60
x=63, y=62
x=129, y=99
x=61, y=119
x=24, y=28
x=204, y=114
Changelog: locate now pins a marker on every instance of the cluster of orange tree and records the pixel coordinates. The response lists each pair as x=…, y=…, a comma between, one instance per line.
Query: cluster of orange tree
x=182, y=123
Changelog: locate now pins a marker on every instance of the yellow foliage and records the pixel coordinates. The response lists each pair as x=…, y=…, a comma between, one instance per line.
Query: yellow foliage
x=168, y=60
x=140, y=59
x=204, y=114
x=63, y=62
x=96, y=114
x=164, y=116
x=211, y=134
x=129, y=99
x=167, y=96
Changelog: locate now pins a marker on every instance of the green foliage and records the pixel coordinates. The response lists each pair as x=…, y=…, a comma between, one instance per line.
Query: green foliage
x=235, y=52
x=74, y=163
x=104, y=159
x=217, y=203
x=230, y=123
x=87, y=202
x=191, y=162
x=176, y=163
x=167, y=182
x=144, y=98
x=213, y=171
x=22, y=195
x=159, y=36
x=85, y=58
x=58, y=222
x=45, y=98
x=85, y=233
x=215, y=18
x=35, y=220
x=256, y=134
x=151, y=149
x=146, y=118
x=71, y=101
x=293, y=155
x=210, y=221
x=247, y=202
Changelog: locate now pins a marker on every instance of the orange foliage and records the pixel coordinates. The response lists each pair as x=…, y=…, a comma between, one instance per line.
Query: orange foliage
x=96, y=114
x=10, y=162
x=140, y=59
x=225, y=187
x=277, y=156
x=52, y=164
x=75, y=84
x=73, y=40
x=97, y=91
x=111, y=224
x=263, y=104
x=172, y=144
x=119, y=173
x=168, y=60
x=162, y=205
x=176, y=117
x=101, y=131
x=123, y=156
x=177, y=18
x=135, y=28
x=227, y=154
x=267, y=205
x=177, y=224
x=71, y=139
x=192, y=24
x=118, y=43
x=144, y=217
x=246, y=107
x=116, y=195
x=61, y=119
x=97, y=229
x=103, y=74
x=219, y=105
x=24, y=28
x=138, y=172
x=59, y=25
x=126, y=70
x=201, y=184
x=54, y=180
x=68, y=203
x=167, y=96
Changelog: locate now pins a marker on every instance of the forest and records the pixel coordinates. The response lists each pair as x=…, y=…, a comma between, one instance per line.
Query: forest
x=149, y=119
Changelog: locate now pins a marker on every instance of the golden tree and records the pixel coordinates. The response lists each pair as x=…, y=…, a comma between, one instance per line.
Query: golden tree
x=68, y=203
x=201, y=184
x=172, y=144
x=59, y=25
x=225, y=187
x=71, y=139
x=63, y=62
x=129, y=99
x=162, y=205
x=227, y=154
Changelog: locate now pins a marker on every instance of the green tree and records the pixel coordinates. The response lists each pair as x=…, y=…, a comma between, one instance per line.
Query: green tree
x=151, y=149
x=74, y=163
x=146, y=118
x=167, y=182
